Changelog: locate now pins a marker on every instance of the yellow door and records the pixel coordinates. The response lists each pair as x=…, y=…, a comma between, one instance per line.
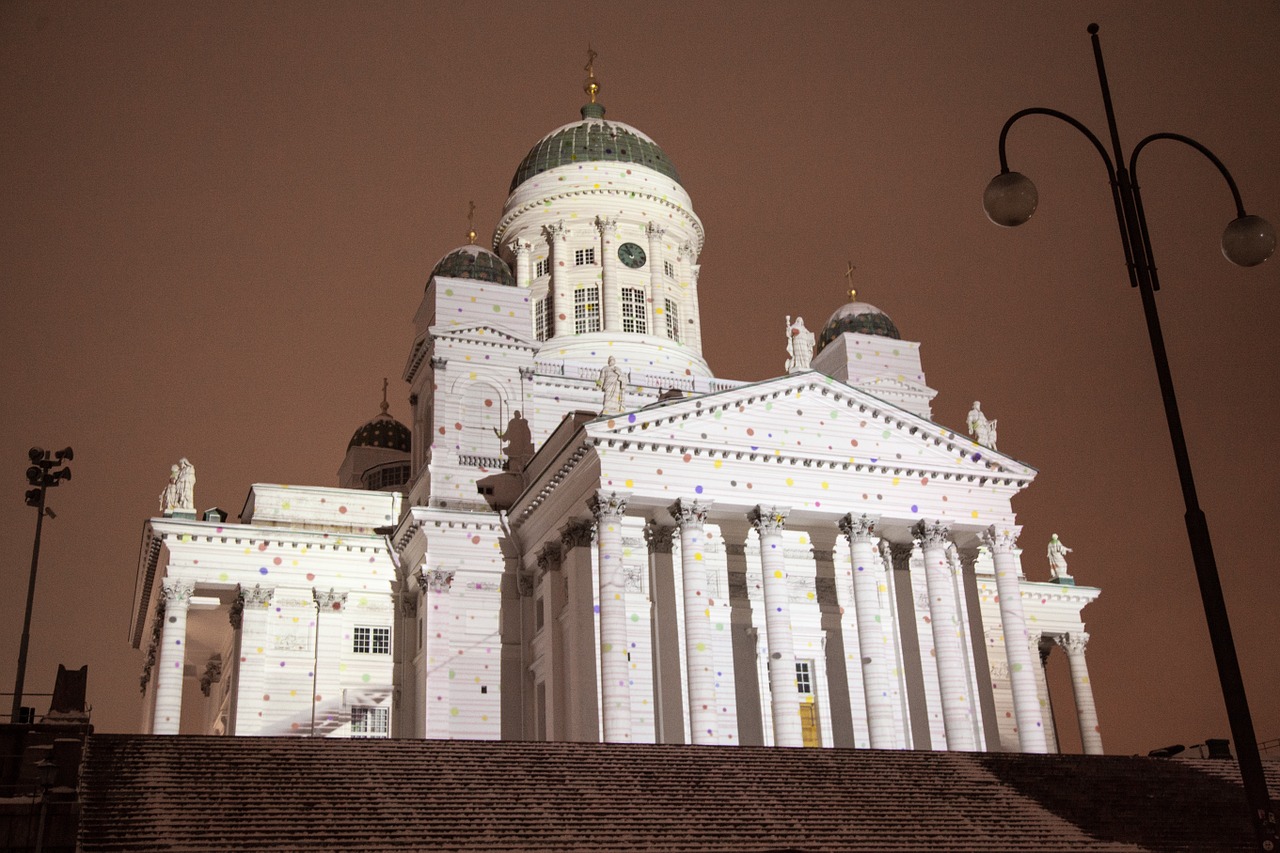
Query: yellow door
x=809, y=724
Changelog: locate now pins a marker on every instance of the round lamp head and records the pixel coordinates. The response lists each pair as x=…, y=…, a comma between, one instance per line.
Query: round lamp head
x=1010, y=199
x=1248, y=241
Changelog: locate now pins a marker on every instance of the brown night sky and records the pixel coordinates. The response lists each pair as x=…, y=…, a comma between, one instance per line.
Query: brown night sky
x=217, y=220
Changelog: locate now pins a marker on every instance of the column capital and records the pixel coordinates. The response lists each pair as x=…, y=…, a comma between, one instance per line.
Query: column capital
x=897, y=555
x=177, y=589
x=658, y=539
x=576, y=533
x=526, y=373
x=685, y=250
x=555, y=231
x=932, y=534
x=860, y=529
x=689, y=513
x=1073, y=643
x=258, y=596
x=605, y=223
x=330, y=600
x=524, y=583
x=608, y=505
x=436, y=580
x=768, y=519
x=1002, y=539
x=968, y=559
x=548, y=557
x=236, y=614
x=439, y=362
x=653, y=229
x=519, y=247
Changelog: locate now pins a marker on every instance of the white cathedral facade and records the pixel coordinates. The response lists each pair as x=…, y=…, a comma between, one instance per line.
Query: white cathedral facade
x=586, y=535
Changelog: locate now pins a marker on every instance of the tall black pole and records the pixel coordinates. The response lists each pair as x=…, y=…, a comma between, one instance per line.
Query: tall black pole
x=1215, y=607
x=26, y=619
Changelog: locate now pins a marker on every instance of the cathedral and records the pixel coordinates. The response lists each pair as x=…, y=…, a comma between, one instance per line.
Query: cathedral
x=583, y=534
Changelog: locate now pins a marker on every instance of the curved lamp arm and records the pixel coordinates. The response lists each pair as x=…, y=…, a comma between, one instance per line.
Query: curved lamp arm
x=1186, y=140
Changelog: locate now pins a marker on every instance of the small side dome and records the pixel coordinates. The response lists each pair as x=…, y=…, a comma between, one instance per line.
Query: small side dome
x=383, y=431
x=858, y=317
x=476, y=263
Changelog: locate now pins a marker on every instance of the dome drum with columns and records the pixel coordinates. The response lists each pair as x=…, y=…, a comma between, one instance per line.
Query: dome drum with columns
x=601, y=540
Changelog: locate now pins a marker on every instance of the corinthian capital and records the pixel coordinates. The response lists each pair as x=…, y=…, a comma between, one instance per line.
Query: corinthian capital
x=604, y=223
x=653, y=229
x=768, y=519
x=176, y=589
x=932, y=534
x=1073, y=644
x=658, y=539
x=330, y=600
x=555, y=231
x=861, y=529
x=689, y=513
x=607, y=505
x=1001, y=540
x=259, y=596
x=436, y=580
x=518, y=247
x=576, y=533
x=685, y=250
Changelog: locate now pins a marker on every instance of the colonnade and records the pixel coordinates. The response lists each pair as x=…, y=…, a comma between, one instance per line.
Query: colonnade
x=876, y=653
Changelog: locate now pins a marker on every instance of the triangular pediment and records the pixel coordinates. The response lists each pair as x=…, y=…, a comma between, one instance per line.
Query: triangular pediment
x=482, y=335
x=810, y=418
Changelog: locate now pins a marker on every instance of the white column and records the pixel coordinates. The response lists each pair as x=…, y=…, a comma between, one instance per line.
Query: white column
x=784, y=701
x=657, y=293
x=694, y=326
x=251, y=678
x=1086, y=712
x=173, y=652
x=610, y=295
x=522, y=253
x=438, y=625
x=948, y=638
x=700, y=661
x=1022, y=677
x=615, y=669
x=326, y=680
x=876, y=653
x=561, y=296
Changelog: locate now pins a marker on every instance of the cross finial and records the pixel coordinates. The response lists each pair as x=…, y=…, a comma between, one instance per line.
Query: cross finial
x=591, y=87
x=385, y=407
x=848, y=274
x=471, y=226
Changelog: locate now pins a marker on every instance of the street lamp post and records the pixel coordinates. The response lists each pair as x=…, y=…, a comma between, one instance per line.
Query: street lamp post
x=1010, y=200
x=43, y=476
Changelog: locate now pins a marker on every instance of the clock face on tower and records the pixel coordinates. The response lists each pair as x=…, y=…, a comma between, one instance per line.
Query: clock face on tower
x=631, y=255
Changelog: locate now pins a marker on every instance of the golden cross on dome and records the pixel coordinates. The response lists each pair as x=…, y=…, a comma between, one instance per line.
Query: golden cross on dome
x=471, y=226
x=848, y=273
x=591, y=87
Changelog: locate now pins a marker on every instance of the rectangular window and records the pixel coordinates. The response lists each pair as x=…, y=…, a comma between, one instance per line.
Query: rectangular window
x=804, y=677
x=543, y=326
x=371, y=641
x=541, y=268
x=584, y=257
x=633, y=319
x=669, y=268
x=673, y=320
x=370, y=721
x=586, y=310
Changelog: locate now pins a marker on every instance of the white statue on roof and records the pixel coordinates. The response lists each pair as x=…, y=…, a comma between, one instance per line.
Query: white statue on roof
x=611, y=382
x=169, y=497
x=186, y=484
x=1058, y=558
x=799, y=345
x=983, y=430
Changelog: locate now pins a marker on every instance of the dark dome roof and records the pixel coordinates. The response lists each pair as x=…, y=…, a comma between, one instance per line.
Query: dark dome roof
x=860, y=318
x=477, y=263
x=382, y=431
x=593, y=140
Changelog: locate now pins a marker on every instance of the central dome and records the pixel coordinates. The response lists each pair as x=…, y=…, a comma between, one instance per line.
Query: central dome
x=593, y=140
x=474, y=262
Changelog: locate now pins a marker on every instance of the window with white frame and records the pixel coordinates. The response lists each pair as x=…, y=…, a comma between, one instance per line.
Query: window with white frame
x=370, y=721
x=804, y=677
x=633, y=319
x=586, y=310
x=584, y=257
x=371, y=641
x=673, y=320
x=669, y=268
x=541, y=268
x=543, y=325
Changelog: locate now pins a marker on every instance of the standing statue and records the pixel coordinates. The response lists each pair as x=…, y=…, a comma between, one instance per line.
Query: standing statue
x=169, y=497
x=983, y=429
x=799, y=345
x=611, y=382
x=186, y=484
x=1058, y=558
x=519, y=442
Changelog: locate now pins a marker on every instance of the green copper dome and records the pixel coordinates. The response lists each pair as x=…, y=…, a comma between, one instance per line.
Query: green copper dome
x=477, y=263
x=382, y=431
x=593, y=140
x=859, y=318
